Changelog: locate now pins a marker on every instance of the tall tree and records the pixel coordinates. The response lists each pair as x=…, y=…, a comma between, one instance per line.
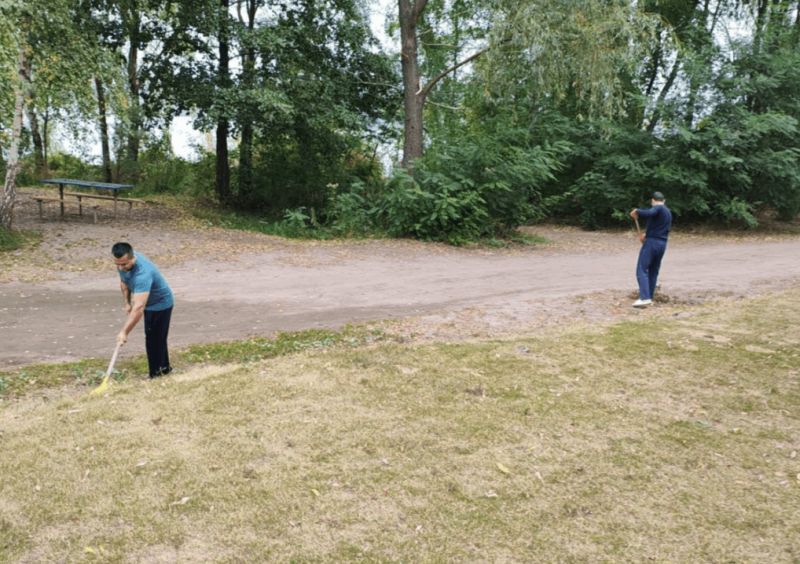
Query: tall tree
x=563, y=47
x=13, y=164
x=222, y=181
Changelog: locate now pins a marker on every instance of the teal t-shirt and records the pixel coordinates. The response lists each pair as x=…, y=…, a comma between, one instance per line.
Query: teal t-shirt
x=144, y=277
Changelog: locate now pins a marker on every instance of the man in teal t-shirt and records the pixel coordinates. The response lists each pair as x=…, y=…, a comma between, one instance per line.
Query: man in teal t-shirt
x=146, y=294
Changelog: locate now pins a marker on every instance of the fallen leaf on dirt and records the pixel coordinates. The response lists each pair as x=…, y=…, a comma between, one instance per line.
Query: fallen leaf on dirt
x=182, y=501
x=491, y=494
x=141, y=464
x=315, y=492
x=503, y=469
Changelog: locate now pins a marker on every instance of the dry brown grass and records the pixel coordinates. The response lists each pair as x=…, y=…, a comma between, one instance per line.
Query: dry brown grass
x=668, y=439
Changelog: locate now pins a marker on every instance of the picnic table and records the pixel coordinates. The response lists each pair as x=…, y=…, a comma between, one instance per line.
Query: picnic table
x=112, y=188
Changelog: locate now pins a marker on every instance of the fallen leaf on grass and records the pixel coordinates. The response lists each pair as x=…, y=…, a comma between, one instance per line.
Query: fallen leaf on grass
x=140, y=464
x=315, y=492
x=503, y=469
x=491, y=494
x=182, y=501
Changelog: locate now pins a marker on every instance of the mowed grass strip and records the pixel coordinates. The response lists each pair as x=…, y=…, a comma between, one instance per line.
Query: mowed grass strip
x=669, y=439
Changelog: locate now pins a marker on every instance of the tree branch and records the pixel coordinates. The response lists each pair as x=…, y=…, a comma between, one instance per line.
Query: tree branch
x=431, y=102
x=436, y=79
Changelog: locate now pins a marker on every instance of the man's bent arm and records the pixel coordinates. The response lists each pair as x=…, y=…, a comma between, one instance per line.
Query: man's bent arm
x=126, y=296
x=136, y=313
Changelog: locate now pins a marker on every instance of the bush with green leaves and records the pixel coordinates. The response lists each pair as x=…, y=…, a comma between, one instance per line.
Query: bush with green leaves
x=724, y=169
x=476, y=187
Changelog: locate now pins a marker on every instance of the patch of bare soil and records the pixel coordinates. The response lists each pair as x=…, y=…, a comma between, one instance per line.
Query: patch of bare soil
x=60, y=301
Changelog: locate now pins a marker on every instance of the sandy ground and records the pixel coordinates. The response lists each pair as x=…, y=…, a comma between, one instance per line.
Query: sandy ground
x=61, y=301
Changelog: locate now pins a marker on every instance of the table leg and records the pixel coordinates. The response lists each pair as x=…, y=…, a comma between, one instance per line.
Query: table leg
x=61, y=195
x=115, y=205
x=80, y=207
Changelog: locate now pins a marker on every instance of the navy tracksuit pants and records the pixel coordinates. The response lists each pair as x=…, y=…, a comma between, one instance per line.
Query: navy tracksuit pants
x=649, y=264
x=156, y=331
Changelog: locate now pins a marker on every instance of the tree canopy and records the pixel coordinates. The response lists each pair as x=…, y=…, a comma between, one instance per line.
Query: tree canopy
x=493, y=113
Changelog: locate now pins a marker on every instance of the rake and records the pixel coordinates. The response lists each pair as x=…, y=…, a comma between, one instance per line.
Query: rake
x=104, y=384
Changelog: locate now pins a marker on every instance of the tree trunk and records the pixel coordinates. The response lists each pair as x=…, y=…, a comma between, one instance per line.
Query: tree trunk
x=101, y=109
x=38, y=151
x=413, y=97
x=248, y=73
x=134, y=134
x=222, y=181
x=13, y=165
x=656, y=117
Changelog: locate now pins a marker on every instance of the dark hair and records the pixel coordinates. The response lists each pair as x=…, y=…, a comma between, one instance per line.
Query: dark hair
x=658, y=197
x=120, y=250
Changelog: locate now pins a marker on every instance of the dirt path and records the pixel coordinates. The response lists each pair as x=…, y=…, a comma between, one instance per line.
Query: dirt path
x=61, y=302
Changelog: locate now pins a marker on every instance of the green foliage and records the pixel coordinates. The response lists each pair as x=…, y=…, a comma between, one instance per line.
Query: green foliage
x=160, y=172
x=11, y=240
x=64, y=165
x=480, y=186
x=353, y=213
x=725, y=169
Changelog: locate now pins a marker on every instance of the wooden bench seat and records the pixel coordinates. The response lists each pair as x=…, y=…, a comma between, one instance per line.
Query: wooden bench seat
x=81, y=195
x=101, y=197
x=43, y=200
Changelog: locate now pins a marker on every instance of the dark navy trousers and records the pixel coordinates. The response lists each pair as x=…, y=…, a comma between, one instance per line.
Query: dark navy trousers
x=649, y=264
x=156, y=330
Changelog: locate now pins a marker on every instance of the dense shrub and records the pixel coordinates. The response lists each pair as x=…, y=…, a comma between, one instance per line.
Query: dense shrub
x=480, y=186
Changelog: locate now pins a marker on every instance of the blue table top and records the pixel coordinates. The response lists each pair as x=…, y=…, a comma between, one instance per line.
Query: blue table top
x=87, y=184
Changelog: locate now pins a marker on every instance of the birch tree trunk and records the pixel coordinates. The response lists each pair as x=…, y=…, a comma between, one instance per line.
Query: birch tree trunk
x=10, y=186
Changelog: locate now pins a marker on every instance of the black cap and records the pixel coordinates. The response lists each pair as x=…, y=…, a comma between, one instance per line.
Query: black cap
x=658, y=196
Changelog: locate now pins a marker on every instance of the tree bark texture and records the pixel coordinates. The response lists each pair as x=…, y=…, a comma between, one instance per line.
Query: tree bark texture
x=101, y=110
x=413, y=97
x=133, y=84
x=246, y=187
x=10, y=185
x=222, y=180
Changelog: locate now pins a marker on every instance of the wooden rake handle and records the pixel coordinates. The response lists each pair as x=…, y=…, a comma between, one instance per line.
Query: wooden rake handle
x=113, y=360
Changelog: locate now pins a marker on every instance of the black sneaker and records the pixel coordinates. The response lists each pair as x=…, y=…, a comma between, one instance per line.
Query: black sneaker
x=162, y=372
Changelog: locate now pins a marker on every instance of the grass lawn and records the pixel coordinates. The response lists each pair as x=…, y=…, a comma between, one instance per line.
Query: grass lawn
x=672, y=438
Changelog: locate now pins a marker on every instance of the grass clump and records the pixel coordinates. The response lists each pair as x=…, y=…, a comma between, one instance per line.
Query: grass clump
x=672, y=439
x=11, y=240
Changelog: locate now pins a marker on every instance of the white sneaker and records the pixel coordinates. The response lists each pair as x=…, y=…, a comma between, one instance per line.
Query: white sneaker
x=642, y=303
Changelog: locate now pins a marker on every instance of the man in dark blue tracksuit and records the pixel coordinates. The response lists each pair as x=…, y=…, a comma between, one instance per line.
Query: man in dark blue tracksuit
x=654, y=245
